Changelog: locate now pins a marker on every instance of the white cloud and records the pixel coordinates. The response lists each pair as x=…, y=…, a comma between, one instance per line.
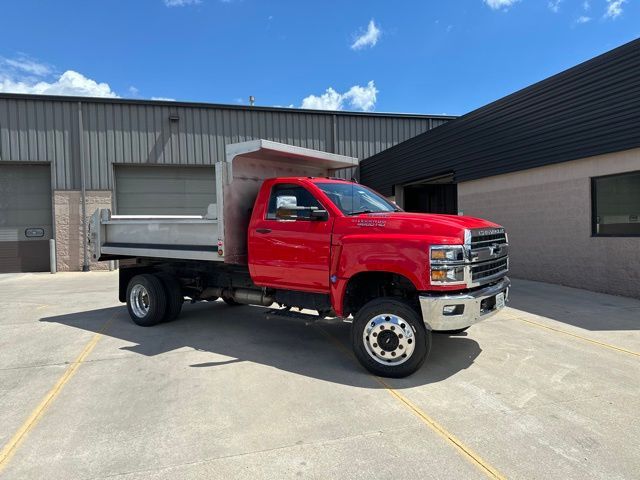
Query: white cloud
x=362, y=98
x=357, y=97
x=583, y=19
x=25, y=75
x=69, y=83
x=329, y=100
x=368, y=38
x=586, y=6
x=163, y=99
x=500, y=4
x=25, y=65
x=554, y=5
x=614, y=8
x=133, y=91
x=181, y=3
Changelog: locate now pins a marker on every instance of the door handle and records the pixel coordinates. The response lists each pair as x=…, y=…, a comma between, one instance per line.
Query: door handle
x=263, y=230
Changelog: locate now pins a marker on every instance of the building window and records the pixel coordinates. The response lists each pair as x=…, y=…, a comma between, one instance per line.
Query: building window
x=616, y=205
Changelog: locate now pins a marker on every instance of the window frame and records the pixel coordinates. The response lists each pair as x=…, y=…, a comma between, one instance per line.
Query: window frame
x=393, y=205
x=594, y=207
x=275, y=186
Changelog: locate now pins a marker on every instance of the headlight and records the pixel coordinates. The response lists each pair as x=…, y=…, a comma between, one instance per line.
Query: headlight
x=447, y=253
x=447, y=274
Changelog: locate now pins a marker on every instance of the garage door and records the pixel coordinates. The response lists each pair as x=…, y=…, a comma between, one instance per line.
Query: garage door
x=164, y=190
x=25, y=218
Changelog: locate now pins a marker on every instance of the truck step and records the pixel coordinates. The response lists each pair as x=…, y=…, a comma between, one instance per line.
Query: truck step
x=290, y=314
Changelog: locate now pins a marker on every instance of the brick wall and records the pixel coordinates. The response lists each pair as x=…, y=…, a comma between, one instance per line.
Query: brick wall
x=67, y=209
x=547, y=214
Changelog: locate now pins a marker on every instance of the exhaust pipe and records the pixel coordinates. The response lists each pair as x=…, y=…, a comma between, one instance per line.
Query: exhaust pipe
x=253, y=297
x=241, y=295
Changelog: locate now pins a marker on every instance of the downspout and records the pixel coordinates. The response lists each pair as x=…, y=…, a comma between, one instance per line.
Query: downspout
x=334, y=136
x=83, y=193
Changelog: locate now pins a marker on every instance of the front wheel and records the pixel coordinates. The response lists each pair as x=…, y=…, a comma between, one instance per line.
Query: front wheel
x=389, y=338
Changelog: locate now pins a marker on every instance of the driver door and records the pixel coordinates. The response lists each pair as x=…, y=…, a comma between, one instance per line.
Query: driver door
x=291, y=253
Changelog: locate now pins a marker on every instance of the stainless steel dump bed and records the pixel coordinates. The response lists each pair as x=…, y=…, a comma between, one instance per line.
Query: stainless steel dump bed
x=221, y=233
x=166, y=236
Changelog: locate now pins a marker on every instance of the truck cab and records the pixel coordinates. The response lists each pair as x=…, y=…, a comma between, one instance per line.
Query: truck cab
x=323, y=244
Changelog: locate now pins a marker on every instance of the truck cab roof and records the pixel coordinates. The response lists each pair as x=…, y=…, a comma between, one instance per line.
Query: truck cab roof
x=311, y=179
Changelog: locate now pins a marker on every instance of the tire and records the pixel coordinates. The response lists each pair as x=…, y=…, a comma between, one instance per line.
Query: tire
x=173, y=294
x=231, y=302
x=457, y=331
x=146, y=300
x=404, y=352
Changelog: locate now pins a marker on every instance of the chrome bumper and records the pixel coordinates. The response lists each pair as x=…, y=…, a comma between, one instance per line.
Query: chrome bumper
x=470, y=307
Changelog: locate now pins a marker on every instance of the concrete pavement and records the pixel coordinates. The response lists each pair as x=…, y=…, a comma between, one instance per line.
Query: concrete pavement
x=534, y=392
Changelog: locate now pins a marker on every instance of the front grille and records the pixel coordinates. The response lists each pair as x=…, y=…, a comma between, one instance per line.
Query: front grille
x=480, y=241
x=489, y=269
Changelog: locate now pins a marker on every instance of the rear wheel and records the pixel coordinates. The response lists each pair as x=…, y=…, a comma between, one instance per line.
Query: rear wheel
x=389, y=338
x=173, y=292
x=146, y=301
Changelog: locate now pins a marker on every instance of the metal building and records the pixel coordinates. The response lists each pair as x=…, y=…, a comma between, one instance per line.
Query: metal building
x=61, y=157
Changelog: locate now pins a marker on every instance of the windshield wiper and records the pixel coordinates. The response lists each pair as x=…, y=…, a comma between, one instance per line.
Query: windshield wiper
x=358, y=212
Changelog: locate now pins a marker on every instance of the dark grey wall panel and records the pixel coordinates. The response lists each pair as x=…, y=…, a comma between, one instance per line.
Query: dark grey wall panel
x=590, y=109
x=115, y=131
x=25, y=217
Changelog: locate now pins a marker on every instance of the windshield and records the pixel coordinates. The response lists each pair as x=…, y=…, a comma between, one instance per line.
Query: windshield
x=352, y=198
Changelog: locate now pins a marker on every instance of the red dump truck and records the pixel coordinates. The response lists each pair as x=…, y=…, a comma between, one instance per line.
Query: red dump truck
x=284, y=233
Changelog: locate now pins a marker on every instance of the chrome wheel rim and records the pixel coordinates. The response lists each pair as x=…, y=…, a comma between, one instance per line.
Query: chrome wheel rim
x=139, y=300
x=389, y=339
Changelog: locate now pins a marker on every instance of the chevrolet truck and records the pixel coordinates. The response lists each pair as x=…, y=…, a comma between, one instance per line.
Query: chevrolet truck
x=283, y=232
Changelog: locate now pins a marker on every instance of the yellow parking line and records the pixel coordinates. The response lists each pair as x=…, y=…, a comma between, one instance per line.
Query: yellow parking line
x=586, y=339
x=469, y=454
x=10, y=448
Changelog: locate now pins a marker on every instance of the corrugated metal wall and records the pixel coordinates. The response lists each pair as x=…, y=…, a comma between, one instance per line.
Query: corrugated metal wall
x=38, y=129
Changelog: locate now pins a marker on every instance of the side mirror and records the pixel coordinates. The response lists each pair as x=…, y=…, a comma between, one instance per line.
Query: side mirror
x=301, y=213
x=284, y=213
x=319, y=215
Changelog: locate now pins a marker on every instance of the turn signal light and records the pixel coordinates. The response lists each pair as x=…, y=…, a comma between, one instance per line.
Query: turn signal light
x=438, y=275
x=438, y=254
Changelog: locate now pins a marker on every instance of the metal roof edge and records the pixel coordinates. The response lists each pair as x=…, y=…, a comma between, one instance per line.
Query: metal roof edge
x=221, y=106
x=609, y=55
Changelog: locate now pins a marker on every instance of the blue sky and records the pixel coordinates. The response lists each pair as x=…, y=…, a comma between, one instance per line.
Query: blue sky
x=440, y=57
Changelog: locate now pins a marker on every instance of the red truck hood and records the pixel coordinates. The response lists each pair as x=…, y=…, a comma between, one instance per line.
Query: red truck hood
x=445, y=227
